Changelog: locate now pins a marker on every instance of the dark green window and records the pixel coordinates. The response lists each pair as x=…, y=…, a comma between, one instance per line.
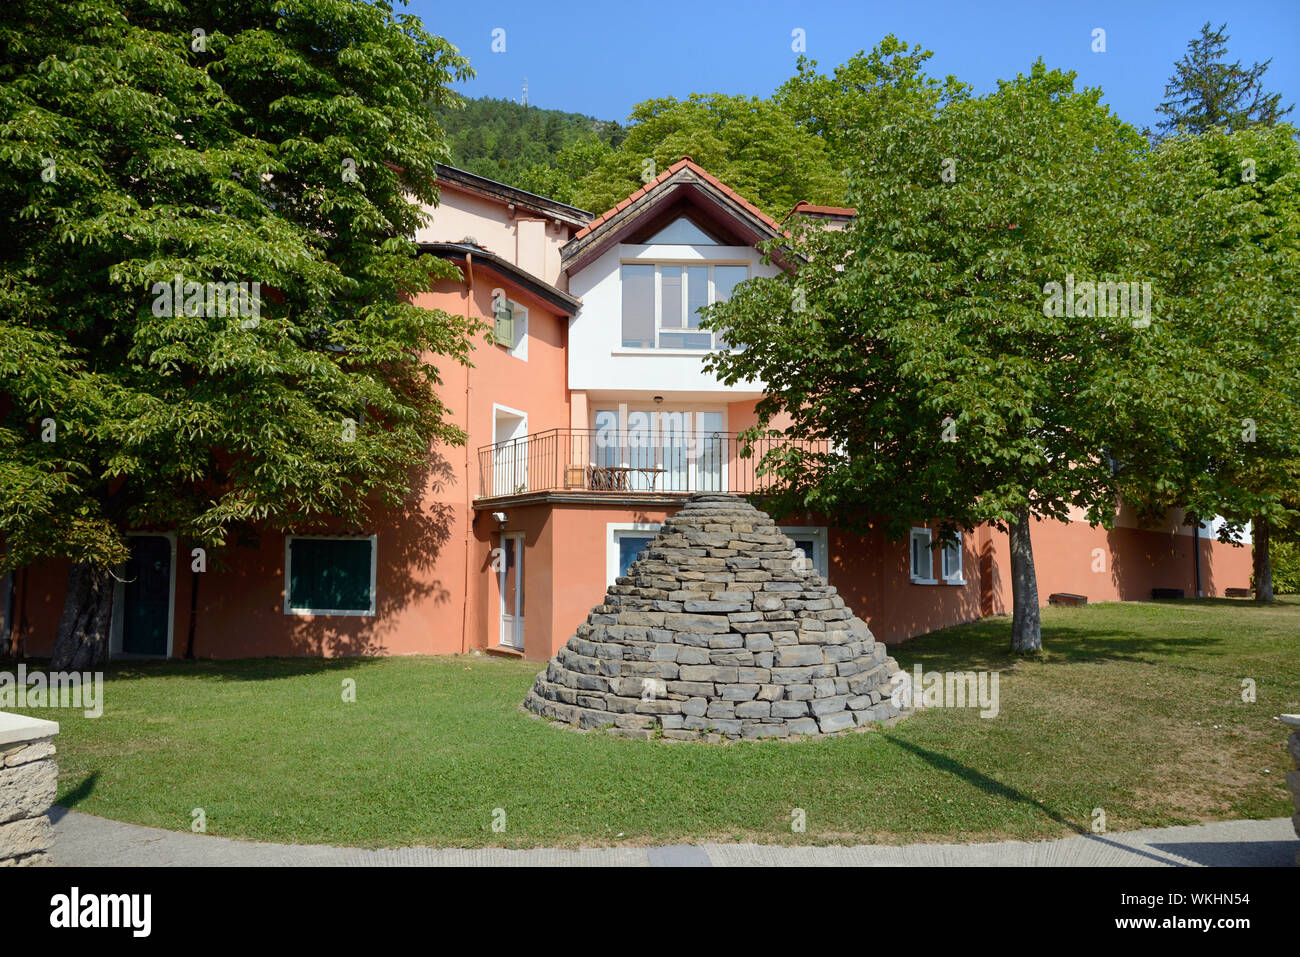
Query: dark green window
x=331, y=575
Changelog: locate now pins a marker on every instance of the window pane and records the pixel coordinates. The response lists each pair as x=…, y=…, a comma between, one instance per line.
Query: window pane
x=685, y=340
x=726, y=279
x=952, y=561
x=511, y=576
x=697, y=293
x=922, y=559
x=671, y=297
x=329, y=574
x=629, y=547
x=638, y=284
x=607, y=441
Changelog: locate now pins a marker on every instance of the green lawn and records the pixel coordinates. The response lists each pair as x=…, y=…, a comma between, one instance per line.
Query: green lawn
x=1134, y=708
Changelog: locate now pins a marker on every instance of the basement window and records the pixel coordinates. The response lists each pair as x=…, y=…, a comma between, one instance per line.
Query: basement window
x=329, y=576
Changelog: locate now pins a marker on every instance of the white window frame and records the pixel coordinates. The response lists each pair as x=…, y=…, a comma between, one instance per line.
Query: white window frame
x=517, y=461
x=616, y=530
x=342, y=612
x=818, y=533
x=926, y=537
x=519, y=616
x=684, y=329
x=951, y=576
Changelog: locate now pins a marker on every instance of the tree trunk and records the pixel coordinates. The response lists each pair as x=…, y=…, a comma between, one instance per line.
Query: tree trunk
x=1026, y=628
x=82, y=640
x=1263, y=566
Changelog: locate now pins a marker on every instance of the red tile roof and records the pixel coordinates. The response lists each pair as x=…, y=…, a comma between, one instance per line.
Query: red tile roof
x=684, y=163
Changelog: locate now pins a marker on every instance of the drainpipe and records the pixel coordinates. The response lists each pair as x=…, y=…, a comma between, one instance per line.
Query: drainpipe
x=1196, y=546
x=469, y=500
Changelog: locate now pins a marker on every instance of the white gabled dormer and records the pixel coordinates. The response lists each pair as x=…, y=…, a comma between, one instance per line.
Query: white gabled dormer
x=644, y=269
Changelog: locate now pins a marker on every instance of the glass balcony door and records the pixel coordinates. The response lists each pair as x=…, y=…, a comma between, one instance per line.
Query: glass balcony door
x=659, y=450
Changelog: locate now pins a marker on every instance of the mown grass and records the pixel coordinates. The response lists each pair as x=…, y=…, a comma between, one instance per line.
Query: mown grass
x=1134, y=708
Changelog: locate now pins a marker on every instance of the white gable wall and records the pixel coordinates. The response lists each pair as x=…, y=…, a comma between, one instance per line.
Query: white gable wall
x=597, y=359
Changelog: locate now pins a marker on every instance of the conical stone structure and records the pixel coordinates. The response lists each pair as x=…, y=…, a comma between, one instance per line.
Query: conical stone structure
x=719, y=630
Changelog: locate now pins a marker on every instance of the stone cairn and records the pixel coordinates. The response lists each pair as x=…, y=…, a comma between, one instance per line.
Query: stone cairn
x=719, y=630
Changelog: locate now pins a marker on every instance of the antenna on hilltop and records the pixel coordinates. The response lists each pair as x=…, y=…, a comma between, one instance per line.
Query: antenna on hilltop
x=525, y=99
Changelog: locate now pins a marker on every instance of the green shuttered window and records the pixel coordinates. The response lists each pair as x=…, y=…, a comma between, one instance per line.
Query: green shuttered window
x=504, y=331
x=331, y=576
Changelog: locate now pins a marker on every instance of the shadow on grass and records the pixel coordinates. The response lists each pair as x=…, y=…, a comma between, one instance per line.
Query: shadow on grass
x=241, y=669
x=986, y=643
x=75, y=796
x=997, y=789
x=982, y=781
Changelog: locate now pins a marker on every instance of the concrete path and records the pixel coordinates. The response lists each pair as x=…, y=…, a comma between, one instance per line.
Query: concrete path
x=83, y=840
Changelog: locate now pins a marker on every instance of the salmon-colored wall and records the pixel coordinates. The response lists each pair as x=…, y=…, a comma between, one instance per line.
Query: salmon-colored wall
x=427, y=603
x=432, y=563
x=1131, y=562
x=519, y=237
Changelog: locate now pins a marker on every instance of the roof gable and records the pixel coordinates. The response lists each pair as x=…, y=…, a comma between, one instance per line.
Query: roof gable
x=682, y=190
x=682, y=231
x=511, y=196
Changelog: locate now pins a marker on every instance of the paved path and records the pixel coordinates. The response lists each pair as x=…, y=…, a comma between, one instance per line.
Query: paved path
x=81, y=839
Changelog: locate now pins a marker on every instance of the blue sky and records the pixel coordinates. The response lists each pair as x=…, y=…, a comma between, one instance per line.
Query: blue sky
x=602, y=58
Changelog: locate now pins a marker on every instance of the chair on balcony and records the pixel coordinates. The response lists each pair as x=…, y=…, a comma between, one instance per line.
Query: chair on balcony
x=607, y=478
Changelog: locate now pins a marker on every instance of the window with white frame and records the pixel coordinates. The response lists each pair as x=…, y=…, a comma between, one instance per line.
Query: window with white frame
x=510, y=326
x=951, y=558
x=329, y=576
x=812, y=543
x=662, y=302
x=922, y=557
x=624, y=543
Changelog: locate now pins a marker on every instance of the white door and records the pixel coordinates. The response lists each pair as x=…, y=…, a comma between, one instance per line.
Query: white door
x=510, y=458
x=511, y=579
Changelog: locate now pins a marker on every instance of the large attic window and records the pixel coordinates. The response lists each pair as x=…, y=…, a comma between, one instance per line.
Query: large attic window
x=682, y=232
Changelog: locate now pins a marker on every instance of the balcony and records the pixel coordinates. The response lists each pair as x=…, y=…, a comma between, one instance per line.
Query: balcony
x=632, y=463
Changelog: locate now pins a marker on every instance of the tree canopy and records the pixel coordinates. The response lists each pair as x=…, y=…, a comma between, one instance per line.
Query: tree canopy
x=154, y=146
x=919, y=342
x=749, y=143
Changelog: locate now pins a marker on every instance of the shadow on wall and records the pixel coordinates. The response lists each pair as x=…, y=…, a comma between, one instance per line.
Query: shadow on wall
x=411, y=539
x=873, y=576
x=1143, y=559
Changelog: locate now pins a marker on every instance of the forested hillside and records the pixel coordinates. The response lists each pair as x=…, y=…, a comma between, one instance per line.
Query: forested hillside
x=502, y=139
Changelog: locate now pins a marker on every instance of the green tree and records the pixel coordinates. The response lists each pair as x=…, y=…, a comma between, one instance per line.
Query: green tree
x=559, y=178
x=749, y=143
x=272, y=142
x=916, y=344
x=870, y=89
x=517, y=144
x=1206, y=92
x=1213, y=422
x=1286, y=566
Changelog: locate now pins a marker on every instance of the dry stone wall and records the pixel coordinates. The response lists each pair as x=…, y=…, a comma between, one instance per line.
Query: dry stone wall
x=720, y=630
x=28, y=783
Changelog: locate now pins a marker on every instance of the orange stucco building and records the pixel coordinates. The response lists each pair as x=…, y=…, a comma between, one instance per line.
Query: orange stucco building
x=590, y=418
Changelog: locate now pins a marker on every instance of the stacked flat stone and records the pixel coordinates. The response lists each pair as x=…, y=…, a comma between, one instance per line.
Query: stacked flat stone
x=719, y=630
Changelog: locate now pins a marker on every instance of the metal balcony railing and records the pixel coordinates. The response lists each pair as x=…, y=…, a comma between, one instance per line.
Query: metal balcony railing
x=626, y=462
